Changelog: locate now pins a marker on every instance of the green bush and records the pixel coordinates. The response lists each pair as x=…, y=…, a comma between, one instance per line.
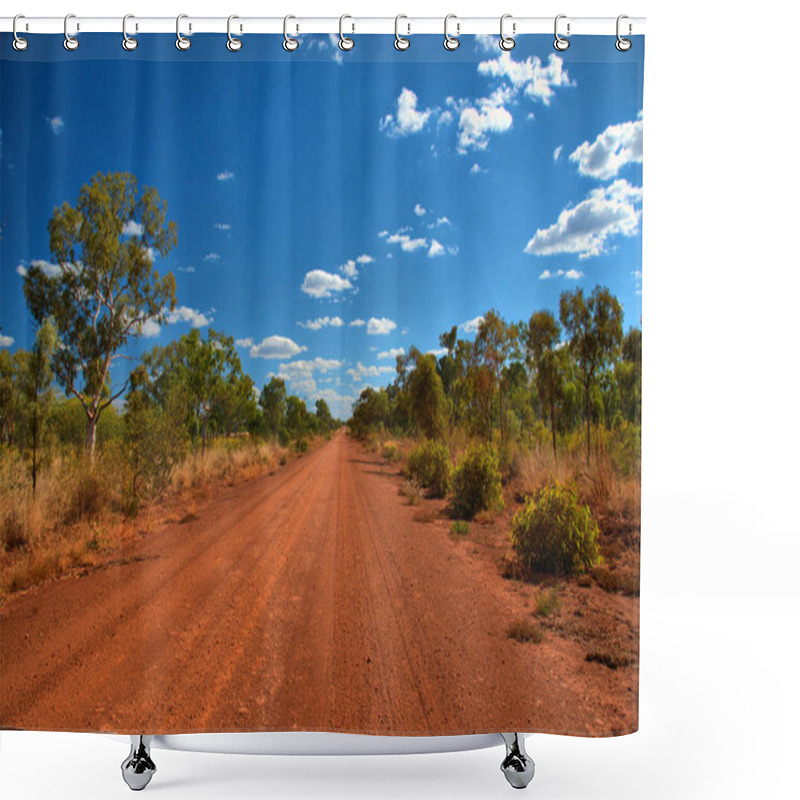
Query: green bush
x=554, y=533
x=476, y=482
x=429, y=465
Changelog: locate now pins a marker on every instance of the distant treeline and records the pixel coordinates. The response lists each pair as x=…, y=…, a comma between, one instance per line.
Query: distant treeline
x=516, y=377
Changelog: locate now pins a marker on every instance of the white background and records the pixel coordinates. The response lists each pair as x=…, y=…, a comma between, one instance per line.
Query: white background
x=720, y=601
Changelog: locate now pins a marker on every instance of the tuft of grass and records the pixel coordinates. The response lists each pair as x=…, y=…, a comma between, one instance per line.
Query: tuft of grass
x=426, y=515
x=391, y=452
x=612, y=580
x=411, y=491
x=611, y=655
x=525, y=630
x=460, y=528
x=548, y=603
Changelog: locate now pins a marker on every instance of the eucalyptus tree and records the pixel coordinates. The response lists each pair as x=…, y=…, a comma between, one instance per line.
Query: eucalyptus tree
x=544, y=355
x=103, y=287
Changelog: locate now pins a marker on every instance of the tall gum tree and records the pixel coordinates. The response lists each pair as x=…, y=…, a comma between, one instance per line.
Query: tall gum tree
x=103, y=287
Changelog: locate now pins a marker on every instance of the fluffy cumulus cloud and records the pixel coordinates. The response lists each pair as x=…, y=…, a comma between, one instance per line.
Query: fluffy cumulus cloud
x=6, y=341
x=480, y=118
x=531, y=77
x=408, y=117
x=357, y=323
x=570, y=274
x=278, y=347
x=359, y=372
x=149, y=329
x=132, y=228
x=472, y=325
x=379, y=326
x=225, y=175
x=48, y=268
x=191, y=315
x=56, y=124
x=557, y=152
x=300, y=374
x=365, y=259
x=349, y=268
x=608, y=211
x=318, y=283
x=212, y=257
x=223, y=226
x=406, y=242
x=436, y=249
x=420, y=211
x=615, y=147
x=322, y=322
x=392, y=352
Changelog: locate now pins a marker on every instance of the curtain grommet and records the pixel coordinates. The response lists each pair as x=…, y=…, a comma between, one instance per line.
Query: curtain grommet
x=181, y=41
x=451, y=43
x=507, y=42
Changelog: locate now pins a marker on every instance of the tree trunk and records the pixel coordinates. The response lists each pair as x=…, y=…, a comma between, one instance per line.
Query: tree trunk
x=588, y=428
x=91, y=436
x=553, y=426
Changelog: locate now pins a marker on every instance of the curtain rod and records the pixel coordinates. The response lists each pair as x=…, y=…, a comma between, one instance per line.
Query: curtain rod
x=299, y=25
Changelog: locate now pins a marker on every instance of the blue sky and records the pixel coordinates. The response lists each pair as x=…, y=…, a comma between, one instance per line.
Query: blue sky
x=335, y=208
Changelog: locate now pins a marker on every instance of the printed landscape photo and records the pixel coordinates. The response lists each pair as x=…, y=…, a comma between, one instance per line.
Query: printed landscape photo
x=320, y=388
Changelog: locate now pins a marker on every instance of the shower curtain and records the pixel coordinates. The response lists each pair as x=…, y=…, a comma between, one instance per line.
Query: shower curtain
x=321, y=385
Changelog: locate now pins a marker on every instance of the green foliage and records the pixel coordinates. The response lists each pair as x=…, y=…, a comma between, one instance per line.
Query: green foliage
x=426, y=395
x=554, y=533
x=391, y=452
x=548, y=603
x=105, y=287
x=273, y=404
x=460, y=528
x=476, y=482
x=429, y=464
x=370, y=412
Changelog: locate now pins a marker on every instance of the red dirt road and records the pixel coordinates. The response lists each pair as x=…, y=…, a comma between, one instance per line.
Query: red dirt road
x=309, y=599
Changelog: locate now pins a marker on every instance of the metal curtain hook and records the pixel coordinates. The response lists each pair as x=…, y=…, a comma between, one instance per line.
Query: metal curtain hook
x=128, y=42
x=622, y=44
x=70, y=42
x=345, y=42
x=506, y=42
x=561, y=43
x=401, y=42
x=451, y=42
x=233, y=44
x=290, y=44
x=19, y=43
x=181, y=42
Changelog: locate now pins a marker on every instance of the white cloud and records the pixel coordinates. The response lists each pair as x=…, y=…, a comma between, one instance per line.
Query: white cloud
x=383, y=234
x=212, y=257
x=379, y=326
x=300, y=374
x=615, y=147
x=48, y=268
x=271, y=347
x=407, y=244
x=488, y=115
x=420, y=211
x=223, y=226
x=225, y=175
x=445, y=118
x=531, y=77
x=6, y=341
x=349, y=268
x=132, y=228
x=471, y=326
x=357, y=323
x=191, y=315
x=436, y=249
x=149, y=329
x=22, y=270
x=583, y=229
x=341, y=405
x=438, y=352
x=545, y=274
x=319, y=283
x=408, y=118
x=573, y=274
x=476, y=169
x=557, y=152
x=443, y=221
x=485, y=42
x=392, y=352
x=56, y=124
x=322, y=322
x=365, y=259
x=189, y=270
x=360, y=372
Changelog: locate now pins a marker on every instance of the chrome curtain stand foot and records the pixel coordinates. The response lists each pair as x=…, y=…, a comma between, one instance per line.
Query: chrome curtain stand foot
x=517, y=766
x=138, y=768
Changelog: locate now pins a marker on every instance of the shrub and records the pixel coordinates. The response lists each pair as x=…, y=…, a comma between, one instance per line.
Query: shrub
x=524, y=630
x=476, y=482
x=12, y=531
x=429, y=465
x=459, y=528
x=548, y=603
x=554, y=533
x=391, y=452
x=410, y=490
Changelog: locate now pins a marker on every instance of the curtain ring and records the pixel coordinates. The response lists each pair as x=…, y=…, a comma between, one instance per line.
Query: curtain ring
x=345, y=42
x=622, y=44
x=128, y=42
x=19, y=43
x=181, y=42
x=290, y=44
x=561, y=43
x=451, y=42
x=506, y=42
x=401, y=42
x=70, y=42
x=233, y=44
